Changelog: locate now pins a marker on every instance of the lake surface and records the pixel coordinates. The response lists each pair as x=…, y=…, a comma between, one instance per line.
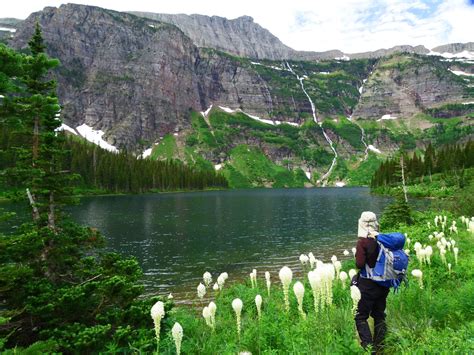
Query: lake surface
x=178, y=236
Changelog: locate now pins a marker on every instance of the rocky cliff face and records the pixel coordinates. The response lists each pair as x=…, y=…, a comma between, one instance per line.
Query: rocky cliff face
x=454, y=48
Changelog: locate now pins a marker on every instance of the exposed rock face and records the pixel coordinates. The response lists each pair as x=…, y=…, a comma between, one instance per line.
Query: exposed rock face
x=241, y=36
x=454, y=48
x=402, y=90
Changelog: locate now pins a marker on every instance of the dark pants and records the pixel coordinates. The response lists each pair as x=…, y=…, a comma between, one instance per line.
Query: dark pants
x=372, y=303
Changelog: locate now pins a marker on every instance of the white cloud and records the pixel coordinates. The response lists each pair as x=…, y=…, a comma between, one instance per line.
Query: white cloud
x=349, y=25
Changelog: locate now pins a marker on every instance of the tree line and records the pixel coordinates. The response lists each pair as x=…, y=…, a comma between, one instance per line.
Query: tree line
x=449, y=159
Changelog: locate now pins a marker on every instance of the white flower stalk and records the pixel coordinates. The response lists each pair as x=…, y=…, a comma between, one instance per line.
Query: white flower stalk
x=354, y=251
x=315, y=282
x=421, y=255
x=337, y=267
x=418, y=274
x=429, y=224
x=346, y=252
x=286, y=275
x=456, y=251
x=207, y=278
x=333, y=259
x=170, y=296
x=430, y=237
x=436, y=221
x=449, y=268
x=448, y=245
x=442, y=254
x=343, y=277
x=408, y=242
x=221, y=280
x=237, y=305
x=268, y=282
x=407, y=251
x=212, y=309
x=326, y=272
x=428, y=254
x=471, y=227
x=157, y=313
x=312, y=260
x=352, y=273
x=355, y=295
x=215, y=287
x=298, y=289
x=206, y=313
x=258, y=304
x=201, y=291
x=304, y=259
x=177, y=332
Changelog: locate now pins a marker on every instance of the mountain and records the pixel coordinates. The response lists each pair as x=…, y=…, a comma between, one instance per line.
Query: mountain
x=148, y=85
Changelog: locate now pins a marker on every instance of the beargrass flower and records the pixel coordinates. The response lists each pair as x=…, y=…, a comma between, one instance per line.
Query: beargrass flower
x=333, y=259
x=455, y=251
x=157, y=313
x=215, y=287
x=355, y=295
x=221, y=280
x=237, y=305
x=345, y=252
x=312, y=260
x=337, y=267
x=352, y=273
x=304, y=259
x=408, y=242
x=471, y=226
x=298, y=289
x=418, y=274
x=428, y=252
x=314, y=278
x=177, y=332
x=354, y=251
x=170, y=296
x=286, y=275
x=201, y=290
x=442, y=254
x=343, y=277
x=213, y=308
x=253, y=278
x=449, y=267
x=206, y=313
x=268, y=281
x=258, y=304
x=207, y=278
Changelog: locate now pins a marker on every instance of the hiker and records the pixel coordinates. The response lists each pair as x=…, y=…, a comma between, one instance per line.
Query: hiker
x=373, y=296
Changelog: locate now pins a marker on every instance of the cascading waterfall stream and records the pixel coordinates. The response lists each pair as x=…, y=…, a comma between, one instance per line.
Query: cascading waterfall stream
x=362, y=137
x=325, y=177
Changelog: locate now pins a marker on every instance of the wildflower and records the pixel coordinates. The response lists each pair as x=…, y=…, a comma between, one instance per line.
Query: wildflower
x=314, y=278
x=352, y=273
x=337, y=267
x=177, y=332
x=428, y=252
x=353, y=251
x=449, y=268
x=442, y=254
x=253, y=278
x=304, y=259
x=436, y=221
x=418, y=274
x=408, y=242
x=471, y=226
x=453, y=242
x=298, y=289
x=286, y=275
x=346, y=252
x=237, y=305
x=333, y=259
x=258, y=303
x=221, y=280
x=213, y=308
x=312, y=260
x=456, y=251
x=201, y=290
x=207, y=277
x=267, y=279
x=407, y=251
x=215, y=287
x=170, y=296
x=355, y=295
x=343, y=277
x=430, y=237
x=157, y=313
x=206, y=313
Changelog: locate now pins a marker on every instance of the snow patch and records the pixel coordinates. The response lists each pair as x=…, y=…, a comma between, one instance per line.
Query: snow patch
x=463, y=54
x=226, y=109
x=1, y=96
x=218, y=167
x=324, y=72
x=372, y=148
x=65, y=127
x=256, y=118
x=12, y=30
x=147, y=153
x=468, y=103
x=387, y=117
x=459, y=72
x=95, y=137
x=340, y=184
x=344, y=57
x=308, y=174
x=205, y=113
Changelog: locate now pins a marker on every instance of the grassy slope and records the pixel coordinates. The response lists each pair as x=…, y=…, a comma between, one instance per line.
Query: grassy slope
x=436, y=319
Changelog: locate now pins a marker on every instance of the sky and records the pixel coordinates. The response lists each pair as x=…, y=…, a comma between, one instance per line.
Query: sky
x=316, y=25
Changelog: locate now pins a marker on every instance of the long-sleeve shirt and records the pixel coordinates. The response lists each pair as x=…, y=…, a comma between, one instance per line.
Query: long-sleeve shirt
x=366, y=252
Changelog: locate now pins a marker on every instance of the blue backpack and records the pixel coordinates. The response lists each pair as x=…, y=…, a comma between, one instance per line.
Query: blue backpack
x=392, y=261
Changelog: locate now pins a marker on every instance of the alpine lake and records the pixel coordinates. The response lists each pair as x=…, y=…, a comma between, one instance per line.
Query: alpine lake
x=176, y=237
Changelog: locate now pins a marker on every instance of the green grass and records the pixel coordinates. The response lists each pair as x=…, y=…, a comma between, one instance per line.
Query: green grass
x=166, y=149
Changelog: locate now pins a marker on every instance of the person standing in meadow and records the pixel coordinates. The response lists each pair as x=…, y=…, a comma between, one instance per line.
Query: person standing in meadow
x=373, y=296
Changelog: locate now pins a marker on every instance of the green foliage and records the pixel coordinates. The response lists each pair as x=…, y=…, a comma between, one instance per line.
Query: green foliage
x=165, y=149
x=347, y=130
x=398, y=212
x=361, y=176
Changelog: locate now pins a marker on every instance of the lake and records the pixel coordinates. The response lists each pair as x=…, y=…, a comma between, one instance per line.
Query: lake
x=178, y=236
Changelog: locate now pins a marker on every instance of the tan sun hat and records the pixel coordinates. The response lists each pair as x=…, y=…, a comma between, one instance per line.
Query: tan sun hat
x=368, y=225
